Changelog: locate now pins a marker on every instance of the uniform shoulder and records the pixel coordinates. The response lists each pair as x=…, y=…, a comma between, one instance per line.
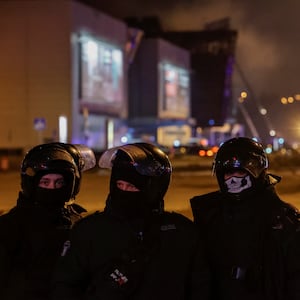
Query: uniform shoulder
x=206, y=207
x=10, y=222
x=177, y=218
x=205, y=199
x=291, y=213
x=89, y=219
x=8, y=215
x=76, y=209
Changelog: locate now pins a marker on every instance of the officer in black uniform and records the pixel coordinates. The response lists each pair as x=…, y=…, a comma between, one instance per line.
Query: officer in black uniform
x=33, y=232
x=252, y=236
x=134, y=249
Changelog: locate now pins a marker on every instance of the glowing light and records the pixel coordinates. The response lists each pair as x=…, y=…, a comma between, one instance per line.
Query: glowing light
x=124, y=139
x=215, y=149
x=297, y=97
x=110, y=133
x=203, y=142
x=92, y=51
x=209, y=153
x=182, y=150
x=244, y=95
x=211, y=122
x=263, y=111
x=63, y=129
x=272, y=132
x=201, y=153
x=284, y=100
x=268, y=150
x=176, y=143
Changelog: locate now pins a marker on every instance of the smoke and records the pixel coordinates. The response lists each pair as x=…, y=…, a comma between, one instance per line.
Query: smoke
x=267, y=51
x=268, y=43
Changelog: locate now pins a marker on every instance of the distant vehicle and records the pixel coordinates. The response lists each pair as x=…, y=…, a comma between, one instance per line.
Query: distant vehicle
x=196, y=149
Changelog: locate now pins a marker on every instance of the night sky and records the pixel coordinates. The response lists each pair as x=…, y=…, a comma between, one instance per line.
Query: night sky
x=268, y=47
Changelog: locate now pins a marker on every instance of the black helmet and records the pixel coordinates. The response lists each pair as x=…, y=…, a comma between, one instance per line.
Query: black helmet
x=68, y=159
x=241, y=153
x=145, y=165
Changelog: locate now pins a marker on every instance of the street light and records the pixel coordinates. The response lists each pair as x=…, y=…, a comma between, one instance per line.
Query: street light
x=290, y=99
x=263, y=111
x=242, y=97
x=246, y=115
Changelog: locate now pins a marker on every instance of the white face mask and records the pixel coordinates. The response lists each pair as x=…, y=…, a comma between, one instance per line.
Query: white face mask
x=236, y=185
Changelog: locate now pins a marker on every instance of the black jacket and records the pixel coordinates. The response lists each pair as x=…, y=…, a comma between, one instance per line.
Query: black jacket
x=31, y=240
x=253, y=245
x=113, y=259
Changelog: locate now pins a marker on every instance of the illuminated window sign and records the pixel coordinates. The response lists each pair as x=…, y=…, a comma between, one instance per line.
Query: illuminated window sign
x=175, y=92
x=101, y=76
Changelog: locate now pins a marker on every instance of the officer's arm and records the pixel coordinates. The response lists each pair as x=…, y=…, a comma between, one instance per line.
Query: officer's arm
x=292, y=256
x=9, y=247
x=200, y=275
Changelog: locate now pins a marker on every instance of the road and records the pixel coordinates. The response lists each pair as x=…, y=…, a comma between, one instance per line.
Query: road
x=186, y=182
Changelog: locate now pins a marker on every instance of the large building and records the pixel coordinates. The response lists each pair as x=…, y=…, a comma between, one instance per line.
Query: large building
x=212, y=58
x=159, y=93
x=212, y=62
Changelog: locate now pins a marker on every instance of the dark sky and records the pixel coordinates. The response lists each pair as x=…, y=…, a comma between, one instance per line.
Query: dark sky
x=268, y=47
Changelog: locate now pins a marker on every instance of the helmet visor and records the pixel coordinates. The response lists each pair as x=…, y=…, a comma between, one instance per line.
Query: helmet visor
x=254, y=164
x=87, y=157
x=143, y=163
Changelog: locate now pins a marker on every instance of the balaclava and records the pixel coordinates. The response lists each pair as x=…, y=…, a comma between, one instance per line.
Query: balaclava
x=52, y=198
x=241, y=187
x=126, y=203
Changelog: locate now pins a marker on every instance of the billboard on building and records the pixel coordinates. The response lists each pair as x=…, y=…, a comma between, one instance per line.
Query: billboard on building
x=101, y=80
x=174, y=97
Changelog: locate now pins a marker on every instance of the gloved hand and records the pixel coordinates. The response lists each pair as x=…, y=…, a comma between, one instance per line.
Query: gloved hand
x=119, y=278
x=125, y=274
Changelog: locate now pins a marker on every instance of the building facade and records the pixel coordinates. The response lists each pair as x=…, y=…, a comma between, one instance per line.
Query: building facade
x=159, y=93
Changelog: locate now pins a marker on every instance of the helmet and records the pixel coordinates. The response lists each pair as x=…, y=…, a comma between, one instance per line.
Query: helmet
x=241, y=153
x=145, y=165
x=68, y=159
